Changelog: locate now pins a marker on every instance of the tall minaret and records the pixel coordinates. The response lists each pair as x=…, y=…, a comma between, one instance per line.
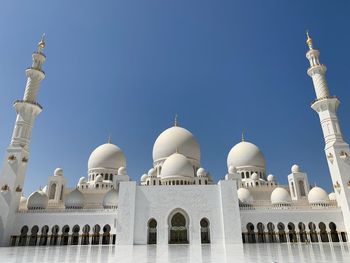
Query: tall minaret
x=17, y=154
x=337, y=150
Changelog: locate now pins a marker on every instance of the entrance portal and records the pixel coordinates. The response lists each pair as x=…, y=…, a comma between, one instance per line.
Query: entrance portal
x=178, y=229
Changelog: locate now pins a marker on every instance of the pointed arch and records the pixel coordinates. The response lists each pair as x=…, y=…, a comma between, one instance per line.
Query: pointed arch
x=178, y=224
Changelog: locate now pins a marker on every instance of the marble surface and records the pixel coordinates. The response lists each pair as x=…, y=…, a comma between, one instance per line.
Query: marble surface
x=181, y=253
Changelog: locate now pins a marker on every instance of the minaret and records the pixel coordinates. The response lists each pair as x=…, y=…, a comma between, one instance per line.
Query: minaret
x=17, y=154
x=336, y=149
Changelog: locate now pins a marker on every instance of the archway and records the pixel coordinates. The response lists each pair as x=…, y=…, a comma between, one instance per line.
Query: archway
x=281, y=233
x=334, y=233
x=323, y=232
x=54, y=235
x=205, y=231
x=152, y=231
x=178, y=229
x=52, y=191
x=302, y=232
x=261, y=233
x=96, y=235
x=85, y=236
x=106, y=236
x=23, y=237
x=75, y=235
x=65, y=235
x=291, y=233
x=313, y=233
x=43, y=236
x=271, y=232
x=33, y=236
x=251, y=233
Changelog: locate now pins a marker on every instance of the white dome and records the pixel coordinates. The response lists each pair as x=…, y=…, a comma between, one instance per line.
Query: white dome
x=177, y=165
x=270, y=178
x=232, y=170
x=107, y=156
x=176, y=138
x=37, y=200
x=122, y=171
x=255, y=176
x=332, y=197
x=245, y=154
x=201, y=172
x=152, y=172
x=110, y=199
x=74, y=199
x=58, y=172
x=99, y=178
x=280, y=196
x=244, y=196
x=295, y=168
x=144, y=177
x=318, y=196
x=82, y=180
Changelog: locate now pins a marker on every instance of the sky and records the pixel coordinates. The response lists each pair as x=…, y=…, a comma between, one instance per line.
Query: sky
x=126, y=68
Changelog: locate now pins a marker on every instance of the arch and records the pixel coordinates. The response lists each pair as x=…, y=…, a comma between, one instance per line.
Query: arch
x=302, y=188
x=44, y=235
x=302, y=232
x=65, y=235
x=23, y=237
x=261, y=234
x=281, y=233
x=152, y=231
x=52, y=191
x=33, y=236
x=85, y=236
x=251, y=233
x=106, y=236
x=75, y=235
x=178, y=227
x=54, y=235
x=96, y=235
x=291, y=233
x=323, y=232
x=313, y=233
x=205, y=231
x=334, y=233
x=271, y=232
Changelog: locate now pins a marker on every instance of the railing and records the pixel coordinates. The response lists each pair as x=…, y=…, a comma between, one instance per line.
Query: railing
x=301, y=205
x=30, y=102
x=323, y=98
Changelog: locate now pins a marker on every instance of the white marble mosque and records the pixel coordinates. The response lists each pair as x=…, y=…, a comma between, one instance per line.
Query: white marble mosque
x=176, y=201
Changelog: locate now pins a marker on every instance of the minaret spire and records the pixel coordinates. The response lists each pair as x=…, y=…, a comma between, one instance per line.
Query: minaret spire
x=336, y=149
x=309, y=40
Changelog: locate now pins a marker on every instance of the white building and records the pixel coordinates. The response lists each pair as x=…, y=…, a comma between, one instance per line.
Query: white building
x=177, y=201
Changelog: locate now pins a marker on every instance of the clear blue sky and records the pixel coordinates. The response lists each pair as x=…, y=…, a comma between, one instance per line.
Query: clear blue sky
x=126, y=67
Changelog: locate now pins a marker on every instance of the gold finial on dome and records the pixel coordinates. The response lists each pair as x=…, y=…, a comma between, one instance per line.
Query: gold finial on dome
x=309, y=40
x=41, y=44
x=242, y=136
x=176, y=122
x=109, y=139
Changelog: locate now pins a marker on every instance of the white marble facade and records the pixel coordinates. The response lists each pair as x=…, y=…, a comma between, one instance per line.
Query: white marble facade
x=177, y=200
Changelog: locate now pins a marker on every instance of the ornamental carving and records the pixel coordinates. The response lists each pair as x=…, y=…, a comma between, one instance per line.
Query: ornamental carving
x=24, y=160
x=5, y=188
x=344, y=155
x=330, y=157
x=12, y=158
x=336, y=185
x=18, y=189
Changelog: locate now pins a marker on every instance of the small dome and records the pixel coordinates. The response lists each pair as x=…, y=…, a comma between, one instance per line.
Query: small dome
x=332, y=197
x=318, y=196
x=280, y=196
x=232, y=169
x=108, y=156
x=177, y=165
x=74, y=199
x=144, y=177
x=255, y=176
x=244, y=196
x=37, y=200
x=99, y=178
x=295, y=168
x=201, y=172
x=176, y=138
x=245, y=154
x=270, y=178
x=58, y=172
x=111, y=199
x=152, y=172
x=122, y=171
x=82, y=180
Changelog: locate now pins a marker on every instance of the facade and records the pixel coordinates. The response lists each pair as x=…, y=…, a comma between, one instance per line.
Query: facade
x=176, y=201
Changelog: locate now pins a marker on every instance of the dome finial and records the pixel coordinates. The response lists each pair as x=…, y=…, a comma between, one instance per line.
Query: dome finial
x=41, y=44
x=176, y=122
x=309, y=40
x=109, y=139
x=242, y=136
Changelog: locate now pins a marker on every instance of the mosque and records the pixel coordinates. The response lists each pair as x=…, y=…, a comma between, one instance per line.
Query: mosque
x=177, y=201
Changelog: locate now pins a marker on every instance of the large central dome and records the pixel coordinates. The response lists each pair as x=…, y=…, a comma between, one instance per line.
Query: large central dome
x=176, y=138
x=245, y=154
x=107, y=156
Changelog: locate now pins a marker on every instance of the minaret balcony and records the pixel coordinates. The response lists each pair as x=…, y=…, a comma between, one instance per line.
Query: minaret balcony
x=29, y=102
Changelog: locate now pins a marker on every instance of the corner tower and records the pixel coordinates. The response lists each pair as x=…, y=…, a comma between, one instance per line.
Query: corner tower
x=17, y=154
x=336, y=149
